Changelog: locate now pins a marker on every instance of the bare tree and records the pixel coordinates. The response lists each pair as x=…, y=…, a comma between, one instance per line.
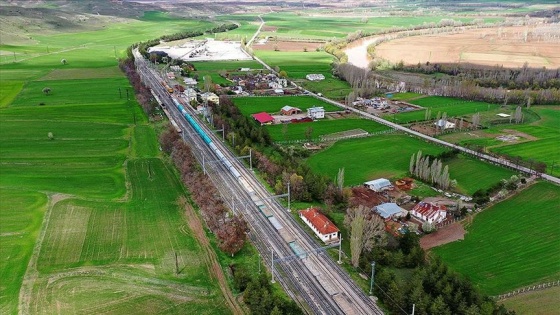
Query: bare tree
x=340, y=179
x=366, y=230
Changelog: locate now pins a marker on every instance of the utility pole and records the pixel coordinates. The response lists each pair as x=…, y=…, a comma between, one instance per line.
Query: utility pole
x=413, y=307
x=340, y=251
x=289, y=196
x=372, y=275
x=251, y=159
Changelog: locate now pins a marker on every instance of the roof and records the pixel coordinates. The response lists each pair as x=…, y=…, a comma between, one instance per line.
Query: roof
x=386, y=210
x=288, y=108
x=378, y=183
x=263, y=117
x=428, y=209
x=503, y=115
x=316, y=109
x=319, y=221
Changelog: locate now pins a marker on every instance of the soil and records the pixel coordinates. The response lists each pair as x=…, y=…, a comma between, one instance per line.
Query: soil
x=444, y=235
x=287, y=46
x=195, y=224
x=505, y=46
x=520, y=134
x=367, y=197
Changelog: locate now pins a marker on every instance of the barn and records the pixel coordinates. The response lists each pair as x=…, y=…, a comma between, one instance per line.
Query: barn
x=390, y=211
x=263, y=118
x=379, y=184
x=289, y=110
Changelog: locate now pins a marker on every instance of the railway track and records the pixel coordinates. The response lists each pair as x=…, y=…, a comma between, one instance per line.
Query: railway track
x=315, y=281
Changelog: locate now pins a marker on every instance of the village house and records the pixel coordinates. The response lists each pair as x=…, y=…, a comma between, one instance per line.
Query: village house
x=390, y=211
x=189, y=94
x=210, y=97
x=429, y=212
x=320, y=224
x=190, y=82
x=263, y=118
x=379, y=184
x=289, y=110
x=444, y=124
x=316, y=112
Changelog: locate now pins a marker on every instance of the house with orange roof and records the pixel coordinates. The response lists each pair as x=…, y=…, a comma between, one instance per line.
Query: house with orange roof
x=320, y=224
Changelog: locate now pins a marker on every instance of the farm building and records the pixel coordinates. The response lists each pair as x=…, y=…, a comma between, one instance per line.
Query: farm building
x=289, y=110
x=190, y=94
x=279, y=91
x=323, y=227
x=263, y=118
x=316, y=112
x=379, y=184
x=444, y=124
x=390, y=210
x=315, y=77
x=189, y=81
x=429, y=212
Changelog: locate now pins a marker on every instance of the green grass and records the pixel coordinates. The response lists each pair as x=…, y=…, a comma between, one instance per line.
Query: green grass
x=321, y=128
x=273, y=104
x=8, y=91
x=452, y=106
x=20, y=220
x=215, y=66
x=462, y=169
x=407, y=96
x=512, y=244
x=369, y=158
x=540, y=302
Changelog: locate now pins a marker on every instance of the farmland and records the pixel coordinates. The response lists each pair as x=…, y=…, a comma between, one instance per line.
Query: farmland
x=389, y=156
x=517, y=236
x=273, y=104
x=91, y=224
x=541, y=302
x=321, y=128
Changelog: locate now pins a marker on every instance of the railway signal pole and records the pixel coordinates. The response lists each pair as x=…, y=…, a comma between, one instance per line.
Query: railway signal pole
x=372, y=275
x=272, y=268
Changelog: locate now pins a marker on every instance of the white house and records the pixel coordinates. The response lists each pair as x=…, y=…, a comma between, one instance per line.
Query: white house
x=444, y=124
x=379, y=184
x=211, y=97
x=321, y=225
x=390, y=210
x=316, y=112
x=190, y=94
x=429, y=212
x=189, y=81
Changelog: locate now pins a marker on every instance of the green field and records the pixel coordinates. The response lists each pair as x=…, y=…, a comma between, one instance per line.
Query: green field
x=389, y=156
x=512, y=244
x=540, y=302
x=273, y=104
x=88, y=216
x=321, y=127
x=452, y=106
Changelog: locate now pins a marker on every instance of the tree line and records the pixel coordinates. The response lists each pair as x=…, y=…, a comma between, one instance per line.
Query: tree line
x=230, y=229
x=277, y=165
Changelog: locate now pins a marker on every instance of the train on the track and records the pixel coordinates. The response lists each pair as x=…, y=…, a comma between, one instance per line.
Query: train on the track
x=287, y=236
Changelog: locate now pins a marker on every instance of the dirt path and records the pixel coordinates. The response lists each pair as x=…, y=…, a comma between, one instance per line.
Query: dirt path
x=211, y=260
x=446, y=234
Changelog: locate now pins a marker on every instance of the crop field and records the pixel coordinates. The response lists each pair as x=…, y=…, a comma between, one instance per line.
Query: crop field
x=540, y=302
x=389, y=156
x=494, y=46
x=512, y=244
x=452, y=106
x=321, y=128
x=273, y=104
x=322, y=26
x=230, y=66
x=91, y=225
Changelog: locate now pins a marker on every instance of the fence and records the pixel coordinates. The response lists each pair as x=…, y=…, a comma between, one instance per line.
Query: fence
x=326, y=139
x=541, y=286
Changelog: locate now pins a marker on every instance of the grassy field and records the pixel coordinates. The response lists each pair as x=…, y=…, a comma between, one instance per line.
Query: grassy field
x=538, y=139
x=273, y=104
x=91, y=223
x=321, y=128
x=542, y=302
x=452, y=106
x=389, y=156
x=516, y=237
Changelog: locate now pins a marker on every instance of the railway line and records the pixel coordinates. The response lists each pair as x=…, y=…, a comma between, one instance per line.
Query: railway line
x=309, y=276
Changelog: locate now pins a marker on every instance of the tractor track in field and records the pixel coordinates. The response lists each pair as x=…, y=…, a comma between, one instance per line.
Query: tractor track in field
x=211, y=260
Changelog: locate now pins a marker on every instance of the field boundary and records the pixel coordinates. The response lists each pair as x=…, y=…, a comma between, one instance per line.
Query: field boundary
x=327, y=138
x=528, y=289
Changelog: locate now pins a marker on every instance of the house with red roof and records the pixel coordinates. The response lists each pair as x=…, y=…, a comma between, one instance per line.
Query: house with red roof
x=263, y=118
x=429, y=212
x=320, y=224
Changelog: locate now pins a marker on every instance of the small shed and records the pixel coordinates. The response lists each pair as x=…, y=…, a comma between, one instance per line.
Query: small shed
x=316, y=112
x=444, y=124
x=289, y=110
x=279, y=91
x=263, y=118
x=390, y=210
x=379, y=184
